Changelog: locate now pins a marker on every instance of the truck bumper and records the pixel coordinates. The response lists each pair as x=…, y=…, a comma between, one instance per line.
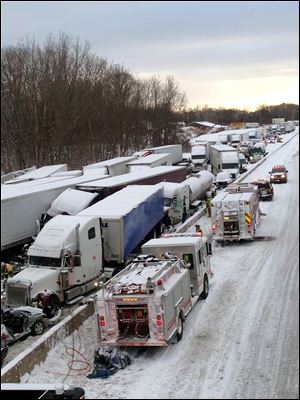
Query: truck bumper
x=134, y=342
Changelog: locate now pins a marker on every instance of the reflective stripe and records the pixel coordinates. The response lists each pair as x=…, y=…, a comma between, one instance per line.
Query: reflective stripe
x=247, y=218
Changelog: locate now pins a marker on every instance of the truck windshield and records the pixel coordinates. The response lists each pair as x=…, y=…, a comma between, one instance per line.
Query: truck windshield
x=198, y=157
x=230, y=166
x=45, y=261
x=167, y=202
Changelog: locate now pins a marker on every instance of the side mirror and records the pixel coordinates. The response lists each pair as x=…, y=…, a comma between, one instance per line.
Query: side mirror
x=287, y=171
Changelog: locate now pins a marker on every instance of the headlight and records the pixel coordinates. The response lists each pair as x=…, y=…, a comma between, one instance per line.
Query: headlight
x=282, y=176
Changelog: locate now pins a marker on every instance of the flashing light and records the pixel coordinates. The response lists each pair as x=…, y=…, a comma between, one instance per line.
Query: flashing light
x=213, y=228
x=102, y=323
x=282, y=176
x=159, y=282
x=130, y=299
x=158, y=320
x=101, y=318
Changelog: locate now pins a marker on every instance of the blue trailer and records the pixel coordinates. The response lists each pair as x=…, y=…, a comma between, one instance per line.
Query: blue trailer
x=127, y=217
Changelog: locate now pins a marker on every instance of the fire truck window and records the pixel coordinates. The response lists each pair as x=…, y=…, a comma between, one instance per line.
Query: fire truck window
x=208, y=249
x=91, y=233
x=199, y=256
x=188, y=258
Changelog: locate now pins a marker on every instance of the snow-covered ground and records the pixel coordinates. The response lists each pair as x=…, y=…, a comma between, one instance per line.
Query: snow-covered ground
x=241, y=342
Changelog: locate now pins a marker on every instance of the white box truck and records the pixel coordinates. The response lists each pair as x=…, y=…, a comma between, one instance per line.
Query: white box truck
x=224, y=158
x=235, y=213
x=147, y=303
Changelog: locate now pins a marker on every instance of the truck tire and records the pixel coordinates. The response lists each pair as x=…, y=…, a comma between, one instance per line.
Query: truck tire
x=205, y=292
x=38, y=328
x=179, y=328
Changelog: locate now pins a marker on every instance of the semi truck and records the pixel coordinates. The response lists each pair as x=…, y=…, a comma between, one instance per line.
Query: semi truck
x=71, y=252
x=235, y=213
x=223, y=157
x=181, y=199
x=147, y=303
x=199, y=155
x=24, y=203
x=176, y=201
x=113, y=167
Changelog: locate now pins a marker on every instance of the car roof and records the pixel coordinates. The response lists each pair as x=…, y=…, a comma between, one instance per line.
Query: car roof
x=278, y=166
x=261, y=181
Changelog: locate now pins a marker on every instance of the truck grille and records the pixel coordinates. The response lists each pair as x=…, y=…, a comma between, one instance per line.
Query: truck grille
x=16, y=296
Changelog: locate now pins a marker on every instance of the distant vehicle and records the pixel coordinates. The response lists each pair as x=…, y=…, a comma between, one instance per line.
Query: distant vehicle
x=265, y=189
x=278, y=174
x=279, y=139
x=244, y=148
x=223, y=157
x=223, y=179
x=255, y=154
x=243, y=163
x=199, y=154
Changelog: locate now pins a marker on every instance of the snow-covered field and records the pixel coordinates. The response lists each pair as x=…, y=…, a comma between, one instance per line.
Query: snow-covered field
x=241, y=342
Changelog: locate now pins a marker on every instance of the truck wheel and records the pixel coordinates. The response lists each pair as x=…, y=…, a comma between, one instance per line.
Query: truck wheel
x=204, y=294
x=38, y=328
x=179, y=328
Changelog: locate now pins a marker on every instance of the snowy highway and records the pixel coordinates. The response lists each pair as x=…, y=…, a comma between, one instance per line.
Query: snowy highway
x=242, y=341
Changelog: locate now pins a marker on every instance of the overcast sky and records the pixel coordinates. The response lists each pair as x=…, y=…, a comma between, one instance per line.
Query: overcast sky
x=221, y=53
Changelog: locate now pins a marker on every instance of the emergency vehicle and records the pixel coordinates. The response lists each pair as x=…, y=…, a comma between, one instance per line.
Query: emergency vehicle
x=147, y=303
x=235, y=213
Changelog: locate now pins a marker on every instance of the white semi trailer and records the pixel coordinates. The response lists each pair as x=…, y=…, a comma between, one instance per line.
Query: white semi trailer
x=24, y=203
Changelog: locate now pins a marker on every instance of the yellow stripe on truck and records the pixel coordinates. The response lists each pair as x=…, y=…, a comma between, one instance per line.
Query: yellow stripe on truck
x=247, y=218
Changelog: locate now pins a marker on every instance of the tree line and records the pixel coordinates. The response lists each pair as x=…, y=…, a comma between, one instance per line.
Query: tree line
x=60, y=103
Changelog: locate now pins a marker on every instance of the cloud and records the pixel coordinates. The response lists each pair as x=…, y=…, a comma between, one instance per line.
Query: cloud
x=211, y=41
